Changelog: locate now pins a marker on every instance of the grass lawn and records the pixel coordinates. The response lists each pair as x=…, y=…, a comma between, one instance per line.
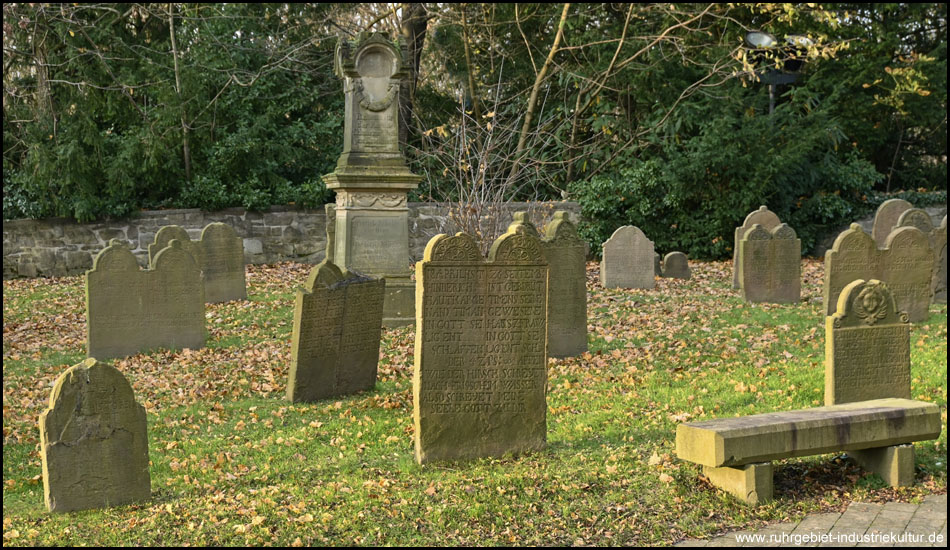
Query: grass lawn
x=233, y=463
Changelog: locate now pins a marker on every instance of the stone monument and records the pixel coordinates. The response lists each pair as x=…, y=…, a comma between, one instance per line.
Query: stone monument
x=628, y=260
x=566, y=254
x=481, y=356
x=885, y=219
x=337, y=325
x=371, y=178
x=764, y=217
x=93, y=441
x=770, y=265
x=219, y=254
x=867, y=346
x=675, y=266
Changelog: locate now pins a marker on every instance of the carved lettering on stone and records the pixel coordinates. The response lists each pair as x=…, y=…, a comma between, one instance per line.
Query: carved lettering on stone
x=481, y=356
x=770, y=265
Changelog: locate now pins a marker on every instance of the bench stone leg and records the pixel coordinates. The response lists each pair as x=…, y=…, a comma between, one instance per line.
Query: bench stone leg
x=751, y=483
x=894, y=464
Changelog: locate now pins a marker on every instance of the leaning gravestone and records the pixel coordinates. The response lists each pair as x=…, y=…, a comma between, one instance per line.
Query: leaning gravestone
x=905, y=265
x=129, y=310
x=93, y=441
x=885, y=219
x=566, y=254
x=337, y=325
x=219, y=254
x=867, y=346
x=764, y=217
x=770, y=265
x=481, y=357
x=628, y=260
x=939, y=281
x=676, y=266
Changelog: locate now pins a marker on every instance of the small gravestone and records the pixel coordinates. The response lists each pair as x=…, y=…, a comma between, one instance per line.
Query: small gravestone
x=330, y=210
x=93, y=441
x=219, y=254
x=770, y=265
x=566, y=254
x=764, y=217
x=939, y=281
x=337, y=325
x=885, y=220
x=915, y=217
x=129, y=310
x=628, y=260
x=905, y=265
x=481, y=357
x=657, y=265
x=676, y=266
x=867, y=346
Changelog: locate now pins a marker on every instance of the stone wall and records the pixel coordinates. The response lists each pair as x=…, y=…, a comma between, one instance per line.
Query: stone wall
x=59, y=247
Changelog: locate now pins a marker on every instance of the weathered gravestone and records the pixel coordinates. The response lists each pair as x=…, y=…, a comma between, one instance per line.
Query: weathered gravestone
x=905, y=265
x=330, y=210
x=676, y=266
x=939, y=281
x=764, y=217
x=337, y=324
x=481, y=356
x=628, y=260
x=129, y=310
x=657, y=265
x=915, y=217
x=566, y=254
x=867, y=346
x=93, y=441
x=770, y=265
x=371, y=233
x=885, y=219
x=219, y=254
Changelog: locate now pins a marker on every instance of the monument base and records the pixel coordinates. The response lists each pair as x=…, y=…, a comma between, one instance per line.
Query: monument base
x=399, y=305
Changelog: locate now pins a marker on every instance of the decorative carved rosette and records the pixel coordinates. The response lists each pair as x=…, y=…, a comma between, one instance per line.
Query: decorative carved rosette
x=457, y=248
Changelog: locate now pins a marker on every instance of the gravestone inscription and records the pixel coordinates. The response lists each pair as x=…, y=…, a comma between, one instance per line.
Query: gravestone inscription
x=93, y=441
x=770, y=265
x=481, y=356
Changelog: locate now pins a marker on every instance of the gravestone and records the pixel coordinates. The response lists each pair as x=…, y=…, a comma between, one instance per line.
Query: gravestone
x=764, y=217
x=905, y=265
x=219, y=254
x=939, y=282
x=330, y=210
x=129, y=310
x=657, y=265
x=566, y=254
x=676, y=266
x=770, y=265
x=337, y=325
x=481, y=356
x=93, y=441
x=627, y=260
x=371, y=232
x=885, y=219
x=915, y=217
x=867, y=346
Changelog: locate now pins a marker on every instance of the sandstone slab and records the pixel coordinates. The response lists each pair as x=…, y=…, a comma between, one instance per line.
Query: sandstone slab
x=628, y=260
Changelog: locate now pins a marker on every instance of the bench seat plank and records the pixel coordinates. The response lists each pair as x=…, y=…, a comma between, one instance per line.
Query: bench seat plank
x=845, y=427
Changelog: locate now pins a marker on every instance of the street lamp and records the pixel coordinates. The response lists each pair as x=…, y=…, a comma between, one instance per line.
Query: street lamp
x=796, y=45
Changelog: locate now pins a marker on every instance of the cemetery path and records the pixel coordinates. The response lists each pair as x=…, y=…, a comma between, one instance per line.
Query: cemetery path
x=862, y=524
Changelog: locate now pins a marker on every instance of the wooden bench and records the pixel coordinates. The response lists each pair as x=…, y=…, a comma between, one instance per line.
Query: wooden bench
x=735, y=452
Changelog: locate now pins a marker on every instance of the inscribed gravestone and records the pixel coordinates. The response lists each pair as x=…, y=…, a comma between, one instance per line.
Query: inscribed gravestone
x=129, y=310
x=939, y=282
x=219, y=254
x=627, y=260
x=905, y=266
x=764, y=217
x=885, y=219
x=867, y=346
x=676, y=266
x=337, y=325
x=770, y=265
x=481, y=357
x=93, y=441
x=566, y=254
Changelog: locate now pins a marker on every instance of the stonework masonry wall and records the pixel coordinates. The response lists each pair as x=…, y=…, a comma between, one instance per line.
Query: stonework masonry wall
x=59, y=247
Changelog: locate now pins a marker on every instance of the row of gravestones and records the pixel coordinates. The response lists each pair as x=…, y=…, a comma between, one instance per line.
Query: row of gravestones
x=627, y=257
x=479, y=382
x=905, y=251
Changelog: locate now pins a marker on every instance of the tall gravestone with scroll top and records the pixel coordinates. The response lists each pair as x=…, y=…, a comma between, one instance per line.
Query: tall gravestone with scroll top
x=480, y=375
x=764, y=217
x=337, y=325
x=770, y=265
x=93, y=441
x=566, y=254
x=371, y=233
x=867, y=346
x=219, y=254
